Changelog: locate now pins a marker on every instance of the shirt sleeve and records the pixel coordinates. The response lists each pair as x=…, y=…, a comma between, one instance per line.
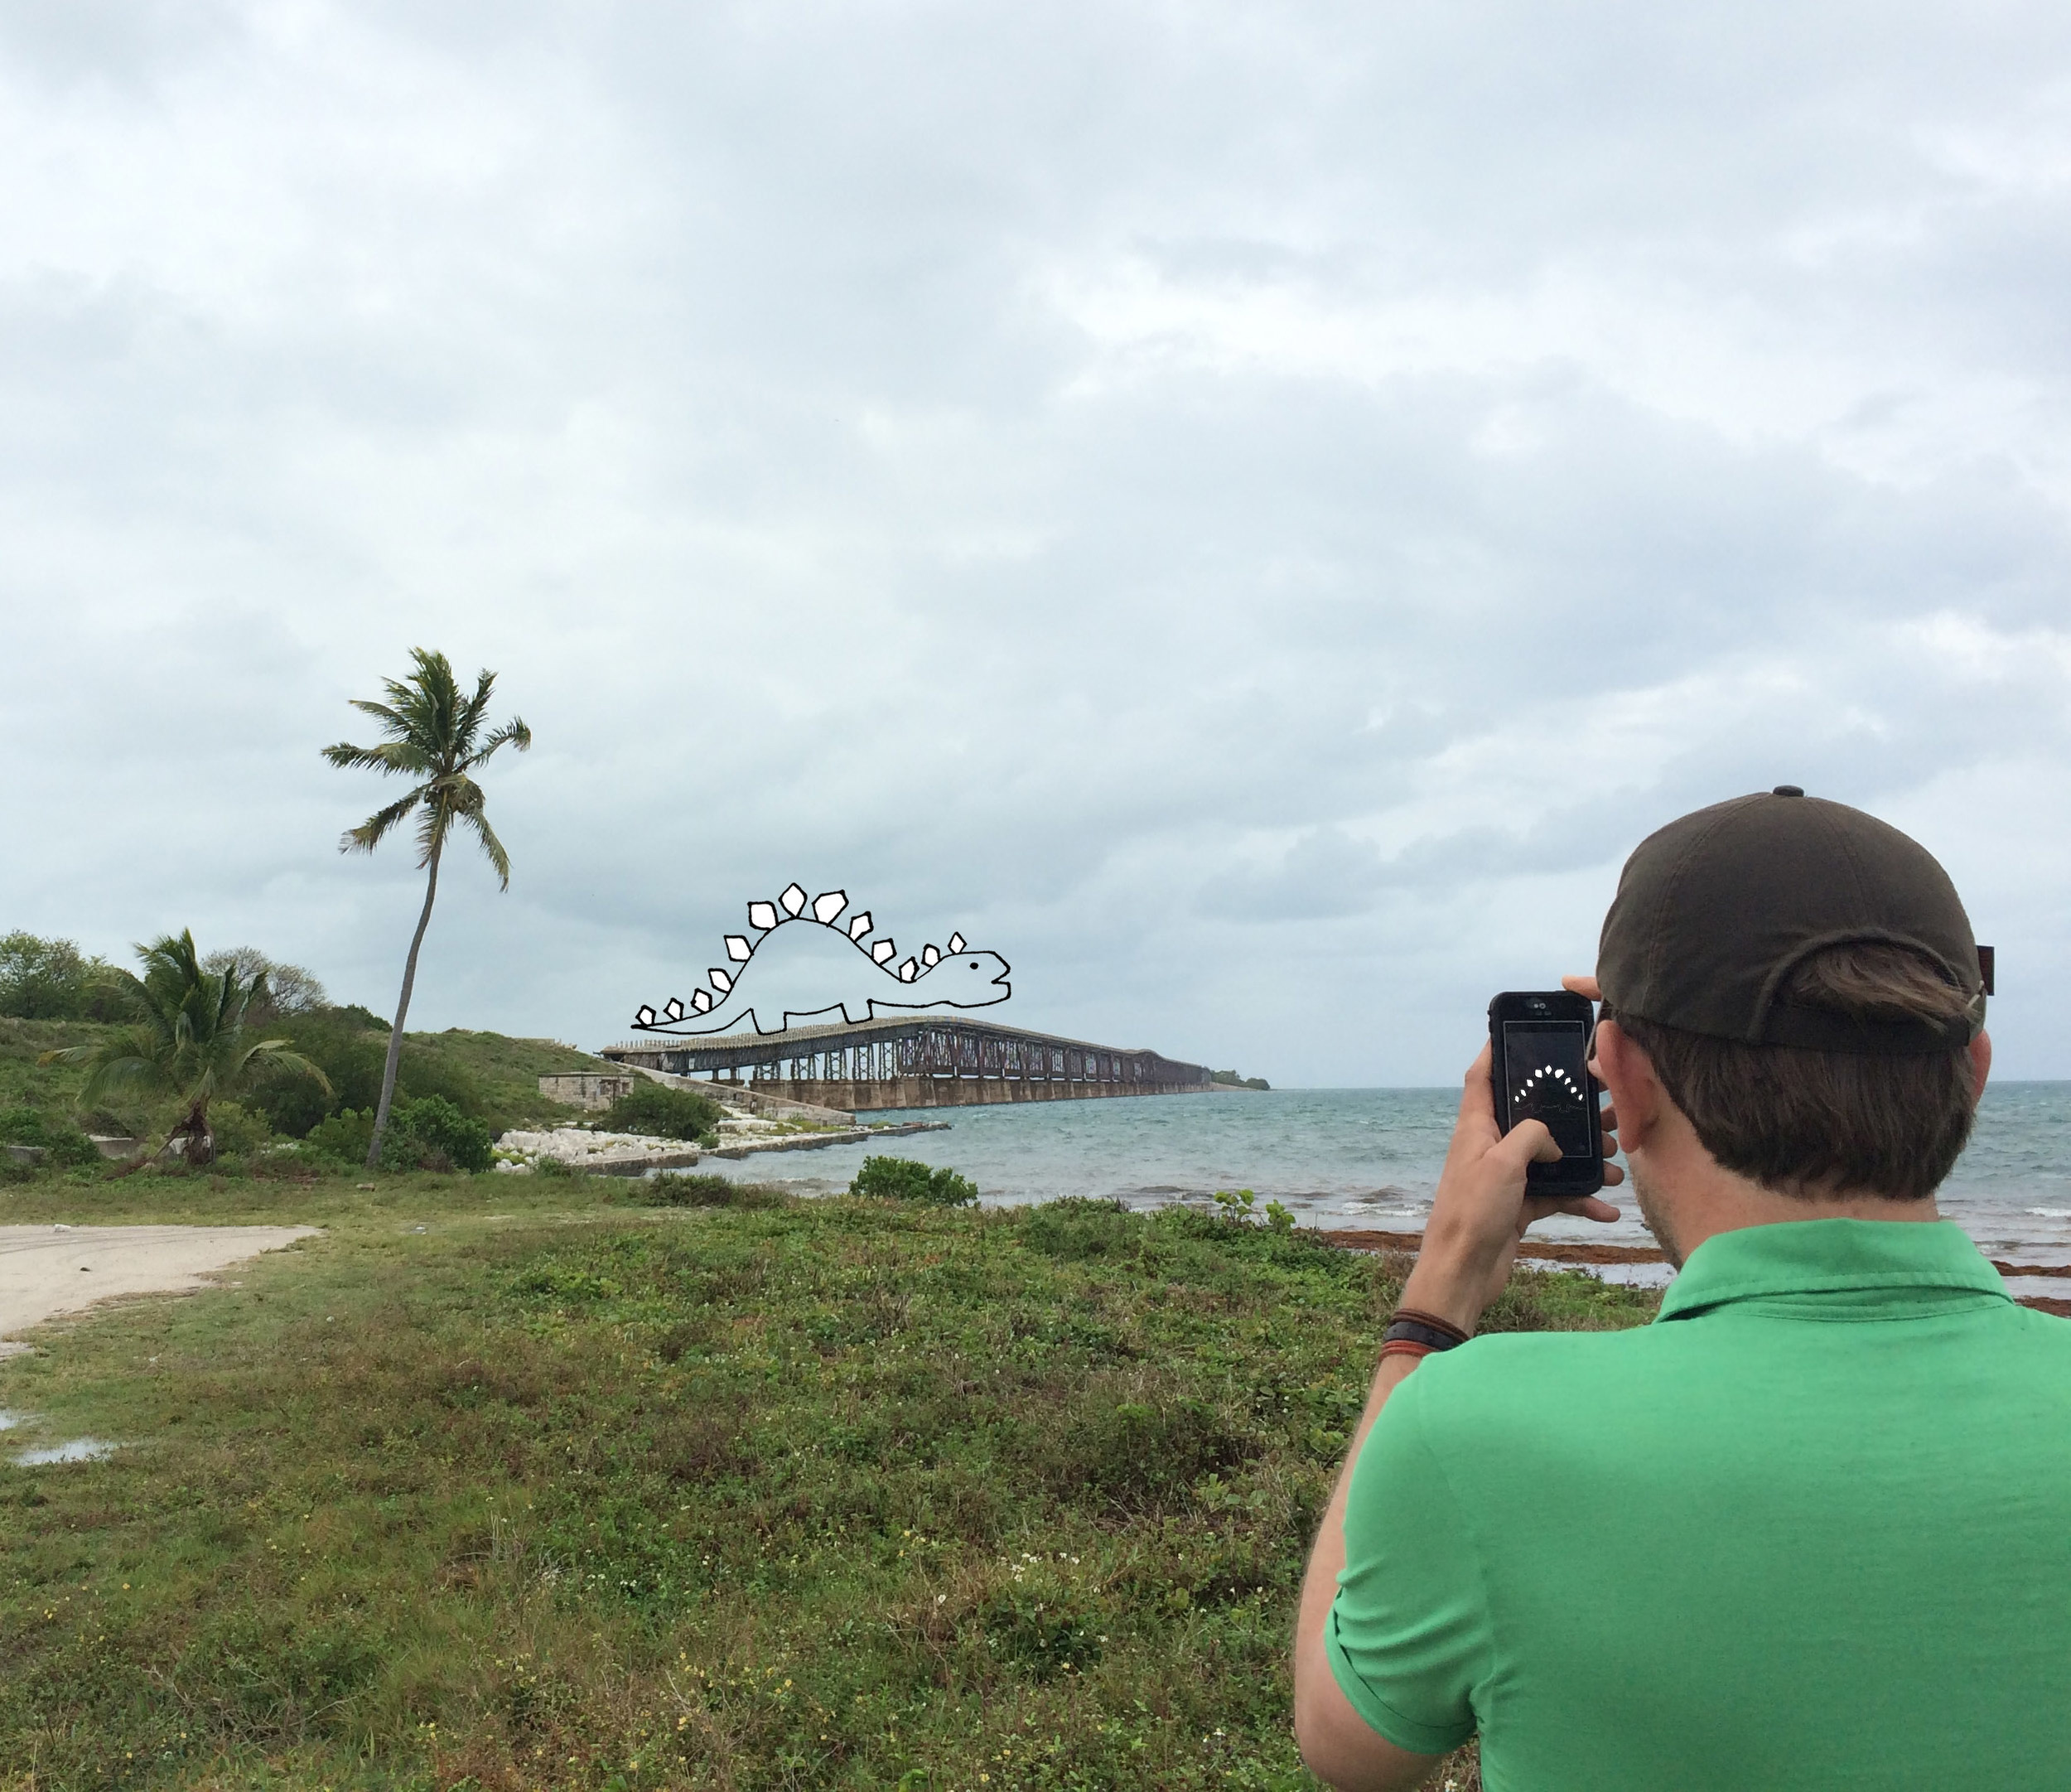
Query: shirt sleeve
x=1408, y=1636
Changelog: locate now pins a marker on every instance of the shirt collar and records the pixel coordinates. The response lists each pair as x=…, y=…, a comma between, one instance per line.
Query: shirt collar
x=1828, y=1256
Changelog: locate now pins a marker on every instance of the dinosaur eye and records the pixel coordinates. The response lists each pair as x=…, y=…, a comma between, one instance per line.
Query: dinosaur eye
x=974, y=965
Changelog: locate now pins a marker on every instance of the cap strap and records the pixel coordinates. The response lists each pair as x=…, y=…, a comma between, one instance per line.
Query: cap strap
x=1825, y=1030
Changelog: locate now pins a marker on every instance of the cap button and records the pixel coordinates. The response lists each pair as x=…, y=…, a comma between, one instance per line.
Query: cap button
x=1786, y=789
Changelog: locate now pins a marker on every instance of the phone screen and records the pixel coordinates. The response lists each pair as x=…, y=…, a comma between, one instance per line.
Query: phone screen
x=1548, y=1065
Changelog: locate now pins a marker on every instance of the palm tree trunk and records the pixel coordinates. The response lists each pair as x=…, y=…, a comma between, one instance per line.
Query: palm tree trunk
x=201, y=1137
x=402, y=1009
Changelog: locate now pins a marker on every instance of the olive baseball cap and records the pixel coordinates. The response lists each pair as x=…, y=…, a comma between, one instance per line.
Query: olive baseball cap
x=1715, y=911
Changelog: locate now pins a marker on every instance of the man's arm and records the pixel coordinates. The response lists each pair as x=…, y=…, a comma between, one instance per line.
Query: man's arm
x=1478, y=1214
x=1340, y=1750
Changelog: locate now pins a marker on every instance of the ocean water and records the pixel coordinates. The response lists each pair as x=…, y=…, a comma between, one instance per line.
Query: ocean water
x=1370, y=1157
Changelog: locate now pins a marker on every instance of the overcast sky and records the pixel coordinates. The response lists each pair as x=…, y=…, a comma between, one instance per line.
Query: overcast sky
x=1249, y=512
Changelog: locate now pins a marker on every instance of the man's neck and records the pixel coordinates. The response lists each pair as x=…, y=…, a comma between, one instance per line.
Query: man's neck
x=1700, y=1202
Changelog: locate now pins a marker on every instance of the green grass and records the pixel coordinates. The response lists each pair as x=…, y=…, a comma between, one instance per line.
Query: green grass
x=26, y=1084
x=490, y=1076
x=507, y=1071
x=506, y=1482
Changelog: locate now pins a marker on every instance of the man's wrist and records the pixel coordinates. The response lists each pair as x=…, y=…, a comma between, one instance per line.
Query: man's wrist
x=1450, y=1295
x=1414, y=1333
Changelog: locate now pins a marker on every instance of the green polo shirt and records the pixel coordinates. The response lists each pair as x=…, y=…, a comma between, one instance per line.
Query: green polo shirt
x=1812, y=1528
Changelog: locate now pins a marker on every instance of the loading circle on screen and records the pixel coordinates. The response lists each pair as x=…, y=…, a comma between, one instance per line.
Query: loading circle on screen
x=1566, y=1085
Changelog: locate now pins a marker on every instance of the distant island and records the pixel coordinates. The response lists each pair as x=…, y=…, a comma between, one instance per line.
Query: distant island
x=1231, y=1080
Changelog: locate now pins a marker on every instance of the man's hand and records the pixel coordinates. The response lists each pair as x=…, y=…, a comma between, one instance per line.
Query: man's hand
x=1481, y=1209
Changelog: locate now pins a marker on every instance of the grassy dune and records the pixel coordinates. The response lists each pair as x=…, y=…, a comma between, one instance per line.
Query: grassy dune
x=26, y=1084
x=503, y=1483
x=487, y=1075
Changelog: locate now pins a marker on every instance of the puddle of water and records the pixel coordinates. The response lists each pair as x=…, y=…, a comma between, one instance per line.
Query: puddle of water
x=78, y=1450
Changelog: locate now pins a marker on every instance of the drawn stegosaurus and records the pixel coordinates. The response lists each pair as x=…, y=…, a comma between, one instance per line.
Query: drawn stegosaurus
x=802, y=966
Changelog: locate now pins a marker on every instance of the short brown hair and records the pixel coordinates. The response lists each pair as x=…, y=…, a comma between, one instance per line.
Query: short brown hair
x=1788, y=1117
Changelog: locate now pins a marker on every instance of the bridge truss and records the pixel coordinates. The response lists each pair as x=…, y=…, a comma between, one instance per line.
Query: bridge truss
x=920, y=1061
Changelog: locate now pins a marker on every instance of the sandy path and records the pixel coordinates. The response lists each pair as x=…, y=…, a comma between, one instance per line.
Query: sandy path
x=49, y=1270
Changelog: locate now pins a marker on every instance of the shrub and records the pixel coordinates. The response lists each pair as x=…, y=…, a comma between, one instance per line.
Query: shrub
x=60, y=1140
x=425, y=1072
x=350, y=1046
x=1077, y=1228
x=1239, y=1207
x=349, y=1054
x=237, y=1131
x=431, y=1133
x=345, y=1136
x=902, y=1179
x=670, y=1190
x=655, y=1110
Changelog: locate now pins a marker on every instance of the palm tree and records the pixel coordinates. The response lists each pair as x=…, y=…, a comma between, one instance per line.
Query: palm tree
x=435, y=736
x=187, y=1040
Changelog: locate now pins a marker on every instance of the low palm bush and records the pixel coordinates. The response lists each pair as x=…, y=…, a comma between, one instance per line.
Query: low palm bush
x=187, y=1043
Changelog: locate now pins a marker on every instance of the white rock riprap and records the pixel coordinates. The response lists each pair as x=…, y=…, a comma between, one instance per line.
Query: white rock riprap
x=610, y=1153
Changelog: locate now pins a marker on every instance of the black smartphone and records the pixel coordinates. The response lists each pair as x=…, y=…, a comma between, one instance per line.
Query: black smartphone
x=1539, y=1039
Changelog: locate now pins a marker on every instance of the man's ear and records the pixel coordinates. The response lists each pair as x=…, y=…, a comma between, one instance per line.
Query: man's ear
x=1635, y=1091
x=1981, y=1063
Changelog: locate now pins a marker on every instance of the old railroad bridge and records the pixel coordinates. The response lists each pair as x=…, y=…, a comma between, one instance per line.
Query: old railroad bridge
x=915, y=1061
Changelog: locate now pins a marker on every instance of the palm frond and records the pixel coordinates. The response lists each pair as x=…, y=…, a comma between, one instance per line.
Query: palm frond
x=172, y=958
x=389, y=757
x=512, y=732
x=388, y=715
x=274, y=1055
x=130, y=988
x=433, y=830
x=234, y=997
x=371, y=832
x=131, y=1061
x=433, y=701
x=491, y=845
x=468, y=722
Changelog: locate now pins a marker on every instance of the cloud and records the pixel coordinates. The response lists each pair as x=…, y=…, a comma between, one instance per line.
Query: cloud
x=1249, y=513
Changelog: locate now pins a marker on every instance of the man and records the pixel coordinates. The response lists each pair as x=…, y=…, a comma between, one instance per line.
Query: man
x=1812, y=1527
